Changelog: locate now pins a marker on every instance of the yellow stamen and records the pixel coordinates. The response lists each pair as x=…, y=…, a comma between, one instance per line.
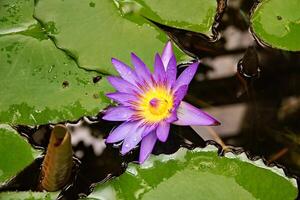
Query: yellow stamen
x=155, y=105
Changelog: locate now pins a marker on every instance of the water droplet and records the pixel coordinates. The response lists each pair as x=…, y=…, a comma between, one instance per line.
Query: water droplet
x=96, y=96
x=37, y=69
x=51, y=68
x=92, y=4
x=38, y=111
x=127, y=145
x=65, y=84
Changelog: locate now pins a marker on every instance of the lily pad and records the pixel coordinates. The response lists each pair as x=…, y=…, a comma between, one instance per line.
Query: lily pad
x=199, y=174
x=41, y=84
x=28, y=195
x=277, y=23
x=193, y=15
x=15, y=153
x=16, y=15
x=95, y=31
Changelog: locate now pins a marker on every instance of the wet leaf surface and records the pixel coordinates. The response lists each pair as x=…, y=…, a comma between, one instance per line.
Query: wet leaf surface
x=277, y=23
x=194, y=15
x=199, y=174
x=15, y=153
x=27, y=196
x=41, y=84
x=95, y=31
x=16, y=15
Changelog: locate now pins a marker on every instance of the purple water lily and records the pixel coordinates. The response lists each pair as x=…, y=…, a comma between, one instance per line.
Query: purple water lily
x=150, y=102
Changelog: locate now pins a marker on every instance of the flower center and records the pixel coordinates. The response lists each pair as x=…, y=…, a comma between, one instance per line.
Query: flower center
x=158, y=106
x=155, y=105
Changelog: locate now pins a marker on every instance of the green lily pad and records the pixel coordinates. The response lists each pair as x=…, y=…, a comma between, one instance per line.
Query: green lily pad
x=16, y=15
x=94, y=31
x=41, y=84
x=277, y=23
x=28, y=195
x=15, y=153
x=196, y=175
x=193, y=15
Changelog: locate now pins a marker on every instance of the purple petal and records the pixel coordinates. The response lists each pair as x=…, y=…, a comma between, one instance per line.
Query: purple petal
x=123, y=98
x=190, y=115
x=121, y=85
x=186, y=76
x=133, y=138
x=125, y=71
x=147, y=146
x=120, y=132
x=149, y=129
x=167, y=54
x=119, y=113
x=172, y=117
x=159, y=71
x=141, y=69
x=162, y=131
x=172, y=71
x=179, y=95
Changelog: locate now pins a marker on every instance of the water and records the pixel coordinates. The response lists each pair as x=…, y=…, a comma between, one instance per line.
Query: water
x=265, y=84
x=253, y=90
x=92, y=165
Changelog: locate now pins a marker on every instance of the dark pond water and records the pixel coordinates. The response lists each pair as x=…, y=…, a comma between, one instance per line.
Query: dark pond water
x=252, y=89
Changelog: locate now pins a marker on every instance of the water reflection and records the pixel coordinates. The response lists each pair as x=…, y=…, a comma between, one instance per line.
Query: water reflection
x=95, y=161
x=258, y=99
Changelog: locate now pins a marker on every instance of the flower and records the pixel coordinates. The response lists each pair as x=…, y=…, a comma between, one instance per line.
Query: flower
x=149, y=102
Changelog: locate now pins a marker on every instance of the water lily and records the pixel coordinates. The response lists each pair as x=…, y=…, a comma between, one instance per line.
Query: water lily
x=149, y=102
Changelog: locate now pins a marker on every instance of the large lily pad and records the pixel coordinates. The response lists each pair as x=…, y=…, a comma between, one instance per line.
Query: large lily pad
x=16, y=15
x=277, y=23
x=199, y=174
x=41, y=84
x=193, y=15
x=15, y=153
x=94, y=31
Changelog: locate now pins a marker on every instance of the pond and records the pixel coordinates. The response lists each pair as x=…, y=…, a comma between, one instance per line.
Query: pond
x=55, y=57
